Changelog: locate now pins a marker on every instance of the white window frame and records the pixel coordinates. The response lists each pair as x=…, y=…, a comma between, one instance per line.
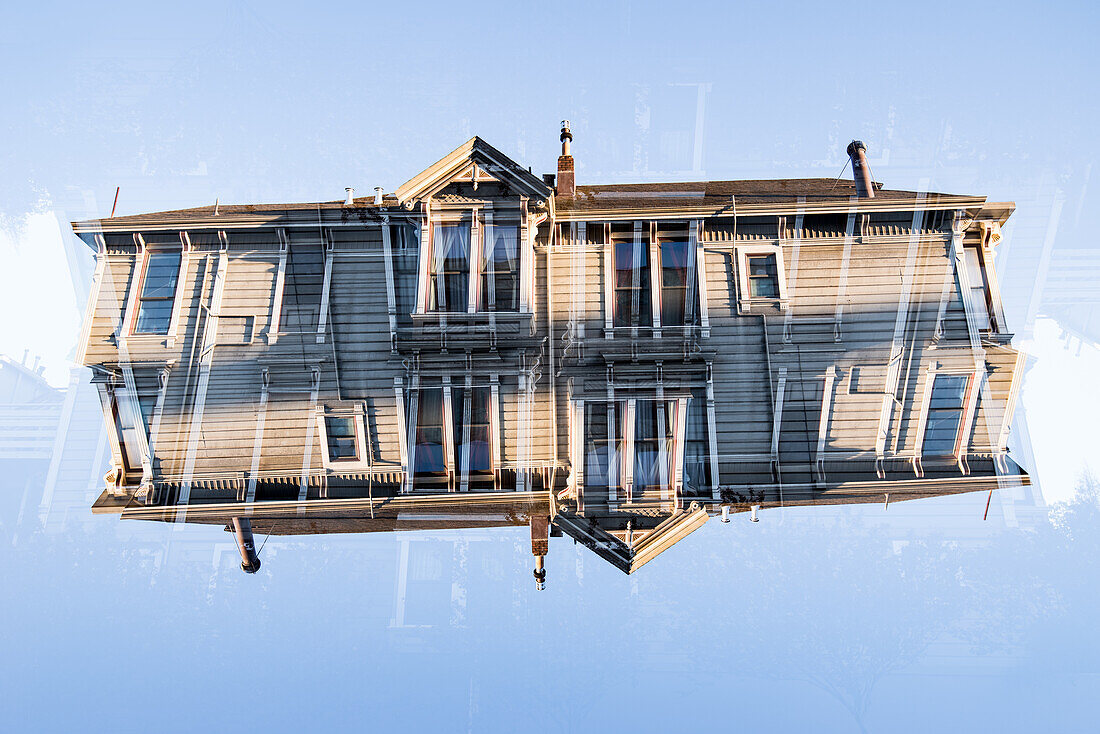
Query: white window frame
x=362, y=447
x=481, y=221
x=743, y=252
x=970, y=401
x=133, y=300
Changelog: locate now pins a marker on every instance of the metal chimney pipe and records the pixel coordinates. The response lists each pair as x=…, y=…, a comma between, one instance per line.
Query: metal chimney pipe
x=865, y=187
x=378, y=196
x=246, y=544
x=540, y=574
x=351, y=195
x=753, y=516
x=725, y=513
x=567, y=182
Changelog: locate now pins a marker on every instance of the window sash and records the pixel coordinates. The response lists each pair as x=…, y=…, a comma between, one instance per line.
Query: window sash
x=342, y=434
x=449, y=268
x=157, y=293
x=943, y=422
x=763, y=276
x=631, y=292
x=500, y=256
x=676, y=280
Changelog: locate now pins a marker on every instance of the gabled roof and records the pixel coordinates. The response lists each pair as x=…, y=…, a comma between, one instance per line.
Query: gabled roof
x=628, y=558
x=474, y=151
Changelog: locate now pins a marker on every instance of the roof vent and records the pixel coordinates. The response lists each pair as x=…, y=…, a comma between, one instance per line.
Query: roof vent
x=378, y=196
x=351, y=196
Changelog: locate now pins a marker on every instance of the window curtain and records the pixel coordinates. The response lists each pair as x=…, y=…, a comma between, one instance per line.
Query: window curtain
x=450, y=267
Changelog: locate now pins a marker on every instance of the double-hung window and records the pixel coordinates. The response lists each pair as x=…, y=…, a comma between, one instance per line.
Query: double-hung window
x=430, y=465
x=305, y=268
x=342, y=438
x=449, y=269
x=473, y=435
x=631, y=305
x=602, y=445
x=763, y=276
x=650, y=416
x=696, y=448
x=500, y=268
x=943, y=425
x=158, y=292
x=677, y=282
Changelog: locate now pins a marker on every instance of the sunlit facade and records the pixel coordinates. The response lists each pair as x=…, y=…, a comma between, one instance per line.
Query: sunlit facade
x=486, y=347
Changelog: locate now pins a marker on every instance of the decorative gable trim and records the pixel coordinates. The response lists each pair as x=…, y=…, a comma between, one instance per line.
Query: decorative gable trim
x=470, y=160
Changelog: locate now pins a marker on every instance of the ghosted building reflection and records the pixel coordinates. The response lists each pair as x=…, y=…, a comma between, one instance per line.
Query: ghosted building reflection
x=484, y=347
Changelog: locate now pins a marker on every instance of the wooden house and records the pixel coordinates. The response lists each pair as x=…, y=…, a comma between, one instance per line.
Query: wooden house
x=486, y=346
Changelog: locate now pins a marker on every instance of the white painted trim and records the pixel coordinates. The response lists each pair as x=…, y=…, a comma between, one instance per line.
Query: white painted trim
x=712, y=437
x=137, y=275
x=326, y=284
x=280, y=286
x=742, y=253
x=608, y=289
x=627, y=462
x=258, y=439
x=403, y=439
x=495, y=425
x=391, y=293
x=777, y=411
x=824, y=418
x=655, y=290
x=448, y=433
x=356, y=412
x=177, y=300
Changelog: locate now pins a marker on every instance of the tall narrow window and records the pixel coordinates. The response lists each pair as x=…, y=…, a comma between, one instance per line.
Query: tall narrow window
x=632, y=295
x=696, y=449
x=648, y=438
x=601, y=448
x=677, y=301
x=342, y=439
x=945, y=409
x=450, y=268
x=473, y=435
x=405, y=250
x=430, y=466
x=305, y=275
x=130, y=426
x=500, y=268
x=158, y=292
x=979, y=287
x=763, y=276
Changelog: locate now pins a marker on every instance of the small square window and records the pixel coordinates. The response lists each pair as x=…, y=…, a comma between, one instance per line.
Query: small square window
x=763, y=276
x=342, y=438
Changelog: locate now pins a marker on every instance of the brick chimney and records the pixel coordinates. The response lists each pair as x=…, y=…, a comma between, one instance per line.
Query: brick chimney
x=865, y=187
x=567, y=183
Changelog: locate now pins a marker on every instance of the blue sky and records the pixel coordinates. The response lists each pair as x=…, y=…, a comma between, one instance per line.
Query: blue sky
x=183, y=104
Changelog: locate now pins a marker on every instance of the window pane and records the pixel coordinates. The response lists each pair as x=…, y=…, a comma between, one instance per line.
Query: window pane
x=450, y=268
x=161, y=273
x=500, y=269
x=763, y=277
x=945, y=414
x=153, y=317
x=341, y=438
x=429, y=457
